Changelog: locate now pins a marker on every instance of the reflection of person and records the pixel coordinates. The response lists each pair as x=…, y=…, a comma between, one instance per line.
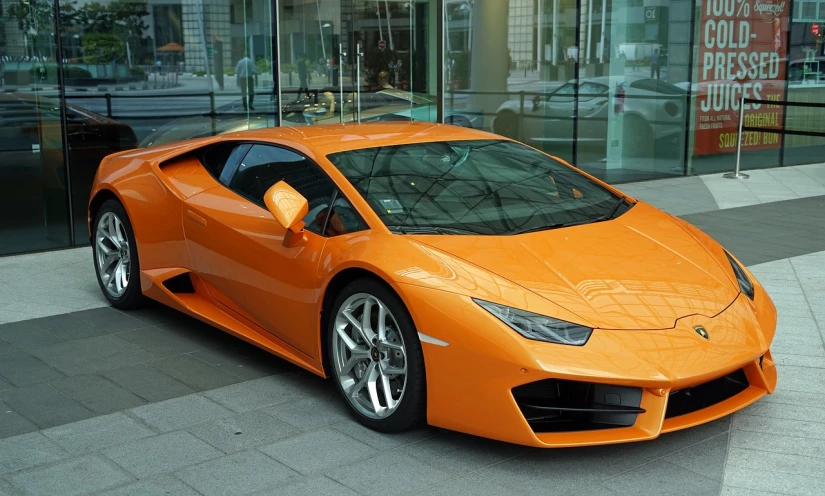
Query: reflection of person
x=384, y=80
x=245, y=76
x=654, y=63
x=302, y=74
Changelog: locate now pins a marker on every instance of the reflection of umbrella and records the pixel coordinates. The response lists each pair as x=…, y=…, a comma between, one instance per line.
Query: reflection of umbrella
x=171, y=47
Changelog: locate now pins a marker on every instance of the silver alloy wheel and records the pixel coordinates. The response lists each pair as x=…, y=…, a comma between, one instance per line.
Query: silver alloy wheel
x=112, y=254
x=369, y=356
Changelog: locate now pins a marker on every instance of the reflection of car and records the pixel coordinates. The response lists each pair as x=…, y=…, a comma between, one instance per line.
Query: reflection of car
x=32, y=152
x=230, y=118
x=387, y=105
x=443, y=274
x=653, y=112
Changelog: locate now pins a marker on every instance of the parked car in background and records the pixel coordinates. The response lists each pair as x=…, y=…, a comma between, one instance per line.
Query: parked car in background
x=653, y=113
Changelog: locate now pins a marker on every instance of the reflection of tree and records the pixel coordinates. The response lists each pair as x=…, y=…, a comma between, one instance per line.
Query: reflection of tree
x=123, y=21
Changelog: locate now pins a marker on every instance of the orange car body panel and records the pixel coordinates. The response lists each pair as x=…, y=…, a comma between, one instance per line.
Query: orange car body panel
x=642, y=281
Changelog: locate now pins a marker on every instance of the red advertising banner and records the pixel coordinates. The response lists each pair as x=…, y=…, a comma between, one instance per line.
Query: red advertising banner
x=741, y=52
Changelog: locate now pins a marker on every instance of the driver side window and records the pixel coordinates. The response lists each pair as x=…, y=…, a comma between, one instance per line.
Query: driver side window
x=265, y=165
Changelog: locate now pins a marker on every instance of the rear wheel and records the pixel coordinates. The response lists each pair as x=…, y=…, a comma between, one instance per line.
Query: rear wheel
x=375, y=357
x=115, y=256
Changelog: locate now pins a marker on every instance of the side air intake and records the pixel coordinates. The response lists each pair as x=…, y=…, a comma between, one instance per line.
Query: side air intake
x=180, y=284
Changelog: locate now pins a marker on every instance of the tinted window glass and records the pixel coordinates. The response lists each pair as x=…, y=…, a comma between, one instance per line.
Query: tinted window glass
x=265, y=165
x=480, y=187
x=216, y=157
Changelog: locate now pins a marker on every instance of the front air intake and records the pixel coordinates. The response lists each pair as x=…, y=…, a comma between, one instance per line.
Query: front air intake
x=696, y=398
x=555, y=405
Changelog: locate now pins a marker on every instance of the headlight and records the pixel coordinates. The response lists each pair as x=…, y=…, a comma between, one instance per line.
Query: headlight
x=745, y=284
x=538, y=327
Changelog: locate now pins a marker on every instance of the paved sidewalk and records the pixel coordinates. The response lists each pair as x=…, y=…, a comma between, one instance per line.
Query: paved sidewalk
x=93, y=400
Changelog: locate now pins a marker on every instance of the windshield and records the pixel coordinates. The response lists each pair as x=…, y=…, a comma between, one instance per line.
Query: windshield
x=473, y=187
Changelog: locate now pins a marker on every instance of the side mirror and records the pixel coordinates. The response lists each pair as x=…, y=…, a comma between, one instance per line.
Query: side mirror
x=287, y=206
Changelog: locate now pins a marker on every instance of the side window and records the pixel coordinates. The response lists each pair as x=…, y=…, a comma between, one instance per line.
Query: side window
x=265, y=165
x=222, y=157
x=343, y=218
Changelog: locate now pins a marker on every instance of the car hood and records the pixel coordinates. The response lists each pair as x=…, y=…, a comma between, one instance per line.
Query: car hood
x=641, y=270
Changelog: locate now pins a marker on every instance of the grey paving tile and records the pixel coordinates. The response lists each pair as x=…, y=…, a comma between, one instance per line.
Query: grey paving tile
x=147, y=382
x=6, y=347
x=243, y=363
x=706, y=458
x=662, y=478
x=313, y=412
x=783, y=463
x=22, y=369
x=241, y=473
x=597, y=490
x=161, y=454
x=318, y=485
x=83, y=475
x=802, y=379
x=97, y=433
x=97, y=394
x=7, y=490
x=469, y=485
x=738, y=491
x=27, y=451
x=779, y=411
x=109, y=319
x=769, y=441
x=5, y=385
x=762, y=481
x=317, y=451
x=45, y=406
x=381, y=441
x=163, y=485
x=84, y=356
x=254, y=394
x=194, y=373
x=154, y=313
x=179, y=413
x=12, y=423
x=161, y=343
x=200, y=332
x=67, y=327
x=408, y=475
x=26, y=335
x=459, y=453
x=243, y=431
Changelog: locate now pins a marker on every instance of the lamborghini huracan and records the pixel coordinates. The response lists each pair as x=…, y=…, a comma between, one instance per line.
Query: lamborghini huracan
x=441, y=274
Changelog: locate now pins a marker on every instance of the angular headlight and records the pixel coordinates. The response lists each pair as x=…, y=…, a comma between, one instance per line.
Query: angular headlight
x=538, y=327
x=745, y=284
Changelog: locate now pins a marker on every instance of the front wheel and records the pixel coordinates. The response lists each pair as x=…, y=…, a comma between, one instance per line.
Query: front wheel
x=375, y=357
x=115, y=256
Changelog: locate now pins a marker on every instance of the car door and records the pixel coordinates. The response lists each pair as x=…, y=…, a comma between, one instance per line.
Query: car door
x=592, y=113
x=251, y=264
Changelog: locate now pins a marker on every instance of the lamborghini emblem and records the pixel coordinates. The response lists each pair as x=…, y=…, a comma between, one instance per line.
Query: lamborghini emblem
x=701, y=331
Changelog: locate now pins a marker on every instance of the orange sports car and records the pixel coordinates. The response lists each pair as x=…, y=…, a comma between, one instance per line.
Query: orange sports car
x=441, y=274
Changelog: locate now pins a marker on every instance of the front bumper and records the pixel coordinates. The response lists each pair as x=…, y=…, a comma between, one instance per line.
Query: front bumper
x=470, y=381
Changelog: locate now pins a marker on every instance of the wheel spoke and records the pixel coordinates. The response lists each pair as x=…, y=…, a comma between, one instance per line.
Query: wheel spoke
x=372, y=389
x=117, y=275
x=112, y=232
x=358, y=386
x=356, y=324
x=382, y=323
x=392, y=346
x=345, y=337
x=385, y=385
x=357, y=357
x=388, y=369
x=366, y=323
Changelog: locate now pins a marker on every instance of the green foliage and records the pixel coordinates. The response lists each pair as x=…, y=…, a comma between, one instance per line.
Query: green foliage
x=102, y=48
x=199, y=73
x=263, y=65
x=50, y=71
x=289, y=68
x=137, y=71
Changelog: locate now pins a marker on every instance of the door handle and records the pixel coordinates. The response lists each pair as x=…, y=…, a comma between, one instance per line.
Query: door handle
x=197, y=219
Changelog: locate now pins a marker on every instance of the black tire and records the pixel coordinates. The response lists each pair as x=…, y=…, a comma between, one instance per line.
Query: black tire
x=507, y=125
x=412, y=409
x=132, y=297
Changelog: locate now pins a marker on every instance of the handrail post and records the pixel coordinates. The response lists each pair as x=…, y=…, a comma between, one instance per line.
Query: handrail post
x=520, y=115
x=212, y=113
x=736, y=174
x=108, y=97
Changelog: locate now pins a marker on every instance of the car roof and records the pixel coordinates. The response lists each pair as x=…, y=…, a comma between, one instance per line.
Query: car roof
x=325, y=139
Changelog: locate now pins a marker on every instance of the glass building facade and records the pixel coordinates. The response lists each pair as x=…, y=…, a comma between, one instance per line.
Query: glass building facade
x=624, y=89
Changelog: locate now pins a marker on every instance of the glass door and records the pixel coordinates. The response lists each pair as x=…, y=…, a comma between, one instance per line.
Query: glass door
x=348, y=61
x=33, y=181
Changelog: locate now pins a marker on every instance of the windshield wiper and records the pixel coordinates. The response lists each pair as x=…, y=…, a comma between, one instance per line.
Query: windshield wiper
x=622, y=201
x=428, y=230
x=552, y=226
